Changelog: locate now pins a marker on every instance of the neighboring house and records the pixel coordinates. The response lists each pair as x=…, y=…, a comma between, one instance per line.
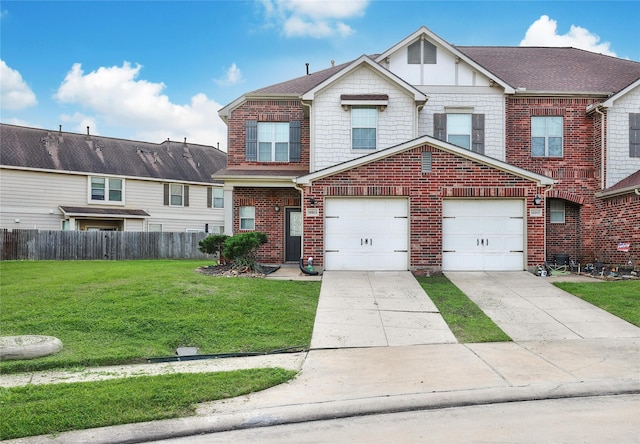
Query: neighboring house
x=432, y=157
x=55, y=180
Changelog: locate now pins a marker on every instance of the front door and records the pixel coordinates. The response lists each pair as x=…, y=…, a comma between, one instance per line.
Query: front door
x=293, y=234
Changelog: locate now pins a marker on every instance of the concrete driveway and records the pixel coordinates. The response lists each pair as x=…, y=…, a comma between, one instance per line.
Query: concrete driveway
x=376, y=309
x=529, y=308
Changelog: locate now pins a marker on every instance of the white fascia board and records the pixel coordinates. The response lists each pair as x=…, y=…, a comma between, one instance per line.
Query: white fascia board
x=444, y=146
x=609, y=102
x=418, y=95
x=258, y=181
x=117, y=176
x=508, y=89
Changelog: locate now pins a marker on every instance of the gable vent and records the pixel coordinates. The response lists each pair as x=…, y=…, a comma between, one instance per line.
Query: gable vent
x=426, y=162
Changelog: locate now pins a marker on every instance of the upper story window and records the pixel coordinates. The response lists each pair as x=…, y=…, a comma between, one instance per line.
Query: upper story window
x=634, y=135
x=106, y=190
x=364, y=126
x=465, y=130
x=421, y=52
x=546, y=136
x=176, y=195
x=272, y=141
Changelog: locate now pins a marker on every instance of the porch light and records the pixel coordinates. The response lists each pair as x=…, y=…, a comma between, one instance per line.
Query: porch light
x=537, y=200
x=277, y=208
x=312, y=201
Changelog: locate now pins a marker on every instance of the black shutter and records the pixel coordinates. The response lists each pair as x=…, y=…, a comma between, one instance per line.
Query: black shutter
x=166, y=194
x=251, y=140
x=294, y=141
x=440, y=126
x=209, y=197
x=634, y=134
x=186, y=195
x=477, y=133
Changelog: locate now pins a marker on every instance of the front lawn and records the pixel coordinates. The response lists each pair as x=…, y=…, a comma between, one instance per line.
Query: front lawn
x=620, y=298
x=115, y=312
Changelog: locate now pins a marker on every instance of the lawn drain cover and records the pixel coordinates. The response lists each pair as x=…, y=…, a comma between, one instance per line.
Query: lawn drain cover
x=187, y=351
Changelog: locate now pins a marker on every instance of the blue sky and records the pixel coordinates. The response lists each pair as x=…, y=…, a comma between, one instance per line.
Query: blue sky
x=152, y=70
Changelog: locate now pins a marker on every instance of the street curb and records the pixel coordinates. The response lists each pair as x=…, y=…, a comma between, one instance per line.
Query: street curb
x=291, y=414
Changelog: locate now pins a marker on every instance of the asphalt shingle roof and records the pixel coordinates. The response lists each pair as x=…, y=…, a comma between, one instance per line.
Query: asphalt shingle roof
x=53, y=150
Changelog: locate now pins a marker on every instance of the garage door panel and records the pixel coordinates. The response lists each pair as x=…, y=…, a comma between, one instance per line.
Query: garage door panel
x=483, y=234
x=366, y=234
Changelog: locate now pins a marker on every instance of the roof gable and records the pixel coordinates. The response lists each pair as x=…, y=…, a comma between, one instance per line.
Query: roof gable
x=39, y=149
x=444, y=146
x=368, y=62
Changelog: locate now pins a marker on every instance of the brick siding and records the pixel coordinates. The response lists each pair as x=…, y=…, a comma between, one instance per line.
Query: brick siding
x=617, y=220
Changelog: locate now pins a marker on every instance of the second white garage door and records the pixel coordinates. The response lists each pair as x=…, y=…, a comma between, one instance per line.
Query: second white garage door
x=483, y=235
x=366, y=234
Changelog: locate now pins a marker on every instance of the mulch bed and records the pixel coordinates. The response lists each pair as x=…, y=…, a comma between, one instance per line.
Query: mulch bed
x=230, y=270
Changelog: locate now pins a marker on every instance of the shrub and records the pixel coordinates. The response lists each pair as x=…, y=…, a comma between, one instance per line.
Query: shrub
x=213, y=245
x=241, y=248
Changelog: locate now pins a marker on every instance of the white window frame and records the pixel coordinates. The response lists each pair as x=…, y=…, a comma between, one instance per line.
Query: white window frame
x=108, y=189
x=247, y=218
x=364, y=118
x=157, y=227
x=546, y=133
x=173, y=194
x=557, y=211
x=273, y=142
x=217, y=197
x=459, y=125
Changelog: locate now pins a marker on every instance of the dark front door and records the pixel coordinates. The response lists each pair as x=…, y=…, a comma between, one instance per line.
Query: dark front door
x=293, y=235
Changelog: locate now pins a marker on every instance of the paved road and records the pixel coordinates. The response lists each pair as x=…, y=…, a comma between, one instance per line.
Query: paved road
x=577, y=420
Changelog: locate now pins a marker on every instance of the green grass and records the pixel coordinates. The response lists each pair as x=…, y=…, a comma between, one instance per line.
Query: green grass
x=468, y=323
x=50, y=409
x=115, y=312
x=620, y=298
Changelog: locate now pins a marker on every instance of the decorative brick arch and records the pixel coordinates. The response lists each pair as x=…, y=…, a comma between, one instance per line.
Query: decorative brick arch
x=571, y=197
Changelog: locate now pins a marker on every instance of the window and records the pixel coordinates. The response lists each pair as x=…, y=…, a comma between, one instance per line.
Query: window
x=546, y=136
x=247, y=218
x=176, y=195
x=364, y=122
x=107, y=190
x=556, y=211
x=273, y=142
x=465, y=130
x=421, y=48
x=634, y=135
x=459, y=130
x=155, y=228
x=215, y=197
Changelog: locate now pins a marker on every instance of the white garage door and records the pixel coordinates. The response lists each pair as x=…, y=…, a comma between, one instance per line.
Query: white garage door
x=366, y=234
x=482, y=235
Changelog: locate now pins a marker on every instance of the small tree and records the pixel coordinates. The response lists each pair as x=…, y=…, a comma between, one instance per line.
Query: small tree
x=213, y=245
x=241, y=248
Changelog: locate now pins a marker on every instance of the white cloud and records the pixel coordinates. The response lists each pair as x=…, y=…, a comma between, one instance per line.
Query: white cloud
x=544, y=32
x=116, y=96
x=313, y=18
x=232, y=76
x=15, y=94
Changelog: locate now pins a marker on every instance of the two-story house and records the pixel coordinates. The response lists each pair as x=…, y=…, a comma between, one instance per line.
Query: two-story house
x=55, y=180
x=432, y=157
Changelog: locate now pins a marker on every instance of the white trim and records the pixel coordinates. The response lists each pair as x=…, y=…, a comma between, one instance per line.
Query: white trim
x=424, y=31
x=418, y=95
x=444, y=146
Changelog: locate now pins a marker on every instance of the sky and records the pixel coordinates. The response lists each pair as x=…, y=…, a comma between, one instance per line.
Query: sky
x=150, y=70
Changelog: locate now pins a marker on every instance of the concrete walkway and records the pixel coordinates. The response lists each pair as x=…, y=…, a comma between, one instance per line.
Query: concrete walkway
x=376, y=309
x=529, y=308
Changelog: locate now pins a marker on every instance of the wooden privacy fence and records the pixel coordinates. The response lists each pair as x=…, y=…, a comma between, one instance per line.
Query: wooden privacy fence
x=94, y=245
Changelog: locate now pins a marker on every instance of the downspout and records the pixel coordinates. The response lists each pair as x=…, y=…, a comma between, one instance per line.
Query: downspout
x=602, y=147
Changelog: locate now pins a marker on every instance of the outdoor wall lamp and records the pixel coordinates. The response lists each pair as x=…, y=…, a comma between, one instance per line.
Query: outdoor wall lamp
x=277, y=208
x=537, y=200
x=312, y=201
